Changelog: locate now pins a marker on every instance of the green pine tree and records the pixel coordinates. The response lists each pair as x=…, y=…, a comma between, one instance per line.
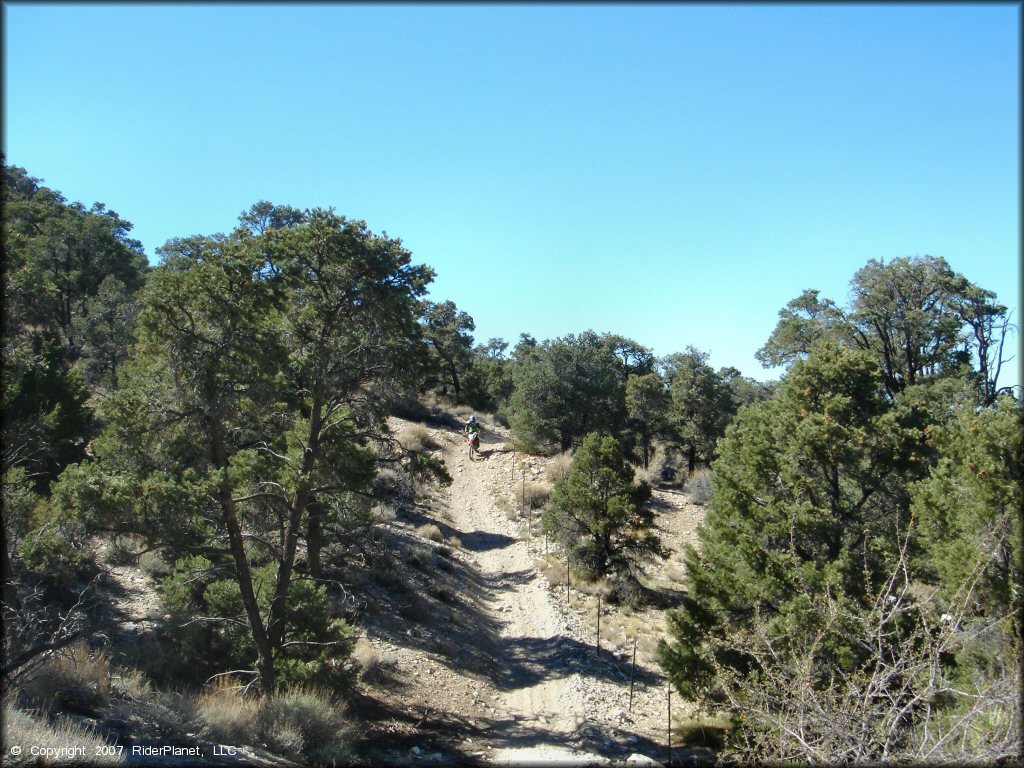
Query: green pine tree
x=598, y=514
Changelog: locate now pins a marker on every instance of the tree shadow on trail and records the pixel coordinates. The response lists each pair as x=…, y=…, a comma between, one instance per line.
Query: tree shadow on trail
x=472, y=541
x=463, y=739
x=528, y=661
x=506, y=579
x=482, y=541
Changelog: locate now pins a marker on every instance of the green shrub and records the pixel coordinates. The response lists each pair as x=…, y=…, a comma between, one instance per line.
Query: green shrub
x=319, y=644
x=56, y=549
x=304, y=722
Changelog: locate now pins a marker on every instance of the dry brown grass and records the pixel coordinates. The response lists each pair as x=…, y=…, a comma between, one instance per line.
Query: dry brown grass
x=79, y=675
x=229, y=715
x=559, y=467
x=430, y=531
x=537, y=494
x=416, y=437
x=22, y=730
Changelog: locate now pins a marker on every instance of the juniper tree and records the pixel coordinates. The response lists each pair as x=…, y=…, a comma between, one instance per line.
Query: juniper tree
x=598, y=513
x=836, y=514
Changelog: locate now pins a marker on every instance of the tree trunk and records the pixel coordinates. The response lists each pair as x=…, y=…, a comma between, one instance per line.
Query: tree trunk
x=455, y=378
x=314, y=540
x=243, y=573
x=303, y=500
x=691, y=458
x=565, y=441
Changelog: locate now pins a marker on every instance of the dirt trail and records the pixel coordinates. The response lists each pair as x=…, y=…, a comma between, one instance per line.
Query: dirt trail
x=496, y=657
x=530, y=628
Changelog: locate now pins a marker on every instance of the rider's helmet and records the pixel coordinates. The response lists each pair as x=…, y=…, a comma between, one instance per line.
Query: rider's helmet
x=472, y=419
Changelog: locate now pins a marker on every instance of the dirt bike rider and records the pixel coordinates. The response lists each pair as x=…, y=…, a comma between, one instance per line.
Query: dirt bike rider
x=472, y=430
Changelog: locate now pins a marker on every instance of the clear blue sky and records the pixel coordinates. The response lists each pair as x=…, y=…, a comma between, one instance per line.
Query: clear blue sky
x=672, y=173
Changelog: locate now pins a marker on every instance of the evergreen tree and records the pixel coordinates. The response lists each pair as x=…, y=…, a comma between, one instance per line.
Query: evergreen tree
x=647, y=400
x=598, y=514
x=808, y=495
x=565, y=389
x=700, y=404
x=263, y=366
x=916, y=316
x=449, y=331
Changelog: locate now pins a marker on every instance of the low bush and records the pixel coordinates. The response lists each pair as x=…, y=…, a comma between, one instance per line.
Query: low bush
x=77, y=678
x=462, y=412
x=124, y=549
x=393, y=485
x=366, y=658
x=537, y=494
x=709, y=732
x=374, y=667
x=442, y=592
x=411, y=408
x=153, y=564
x=416, y=437
x=698, y=487
x=552, y=569
x=418, y=556
x=305, y=723
x=383, y=513
x=416, y=610
x=430, y=531
x=559, y=467
x=229, y=715
x=173, y=714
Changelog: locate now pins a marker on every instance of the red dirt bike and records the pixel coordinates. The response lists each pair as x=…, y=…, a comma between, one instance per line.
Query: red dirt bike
x=473, y=441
